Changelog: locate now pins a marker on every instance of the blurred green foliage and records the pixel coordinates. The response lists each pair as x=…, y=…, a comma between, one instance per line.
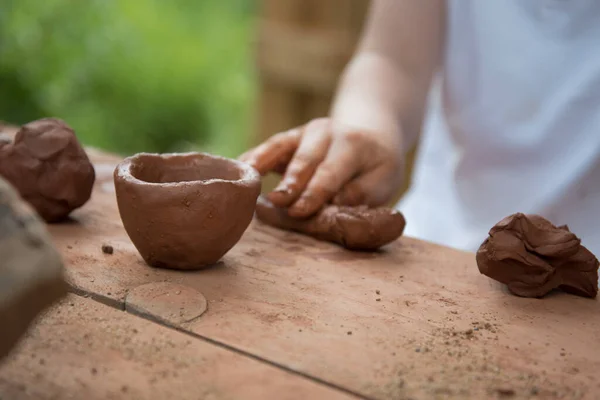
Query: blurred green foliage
x=132, y=75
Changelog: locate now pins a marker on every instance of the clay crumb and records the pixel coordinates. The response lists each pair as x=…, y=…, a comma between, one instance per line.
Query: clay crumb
x=378, y=292
x=469, y=332
x=377, y=299
x=505, y=392
x=107, y=249
x=94, y=371
x=349, y=332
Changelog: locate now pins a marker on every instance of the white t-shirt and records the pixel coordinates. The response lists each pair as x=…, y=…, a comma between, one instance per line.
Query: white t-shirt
x=514, y=124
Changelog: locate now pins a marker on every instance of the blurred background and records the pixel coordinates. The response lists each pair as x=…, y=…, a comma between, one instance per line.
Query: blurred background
x=132, y=75
x=182, y=75
x=152, y=75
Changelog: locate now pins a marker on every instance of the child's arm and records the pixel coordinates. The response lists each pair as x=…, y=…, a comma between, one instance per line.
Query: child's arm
x=356, y=156
x=387, y=82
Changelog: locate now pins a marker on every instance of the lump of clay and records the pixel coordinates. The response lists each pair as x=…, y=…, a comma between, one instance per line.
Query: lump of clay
x=48, y=167
x=355, y=228
x=185, y=211
x=532, y=257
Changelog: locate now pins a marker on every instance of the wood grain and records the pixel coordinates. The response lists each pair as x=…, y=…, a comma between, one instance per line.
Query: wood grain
x=81, y=349
x=415, y=320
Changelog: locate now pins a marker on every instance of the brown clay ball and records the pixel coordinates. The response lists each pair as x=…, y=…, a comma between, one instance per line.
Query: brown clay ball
x=48, y=167
x=185, y=211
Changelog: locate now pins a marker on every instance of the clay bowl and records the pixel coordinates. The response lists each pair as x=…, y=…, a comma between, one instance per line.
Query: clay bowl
x=186, y=210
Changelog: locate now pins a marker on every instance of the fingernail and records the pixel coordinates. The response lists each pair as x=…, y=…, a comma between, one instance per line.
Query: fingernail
x=279, y=198
x=282, y=188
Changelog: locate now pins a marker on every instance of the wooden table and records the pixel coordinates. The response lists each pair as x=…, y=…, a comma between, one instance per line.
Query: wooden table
x=291, y=317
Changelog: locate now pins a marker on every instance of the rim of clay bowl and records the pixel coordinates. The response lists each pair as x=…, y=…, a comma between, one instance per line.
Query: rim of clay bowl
x=248, y=175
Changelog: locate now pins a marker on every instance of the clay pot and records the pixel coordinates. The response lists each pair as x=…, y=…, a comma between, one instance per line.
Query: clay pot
x=185, y=211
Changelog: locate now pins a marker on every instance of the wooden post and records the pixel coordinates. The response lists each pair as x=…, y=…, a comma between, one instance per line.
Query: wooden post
x=303, y=47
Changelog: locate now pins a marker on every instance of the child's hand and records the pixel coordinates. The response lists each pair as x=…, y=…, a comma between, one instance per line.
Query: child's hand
x=326, y=161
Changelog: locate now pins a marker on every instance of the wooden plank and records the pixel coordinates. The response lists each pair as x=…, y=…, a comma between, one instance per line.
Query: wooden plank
x=315, y=106
x=307, y=60
x=347, y=15
x=278, y=112
x=81, y=349
x=290, y=11
x=399, y=323
x=278, y=104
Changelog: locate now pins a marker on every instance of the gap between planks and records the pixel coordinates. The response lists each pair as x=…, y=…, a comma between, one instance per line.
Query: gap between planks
x=121, y=306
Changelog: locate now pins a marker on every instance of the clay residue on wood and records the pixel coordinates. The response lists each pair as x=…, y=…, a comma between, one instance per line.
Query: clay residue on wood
x=48, y=167
x=355, y=228
x=469, y=364
x=532, y=257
